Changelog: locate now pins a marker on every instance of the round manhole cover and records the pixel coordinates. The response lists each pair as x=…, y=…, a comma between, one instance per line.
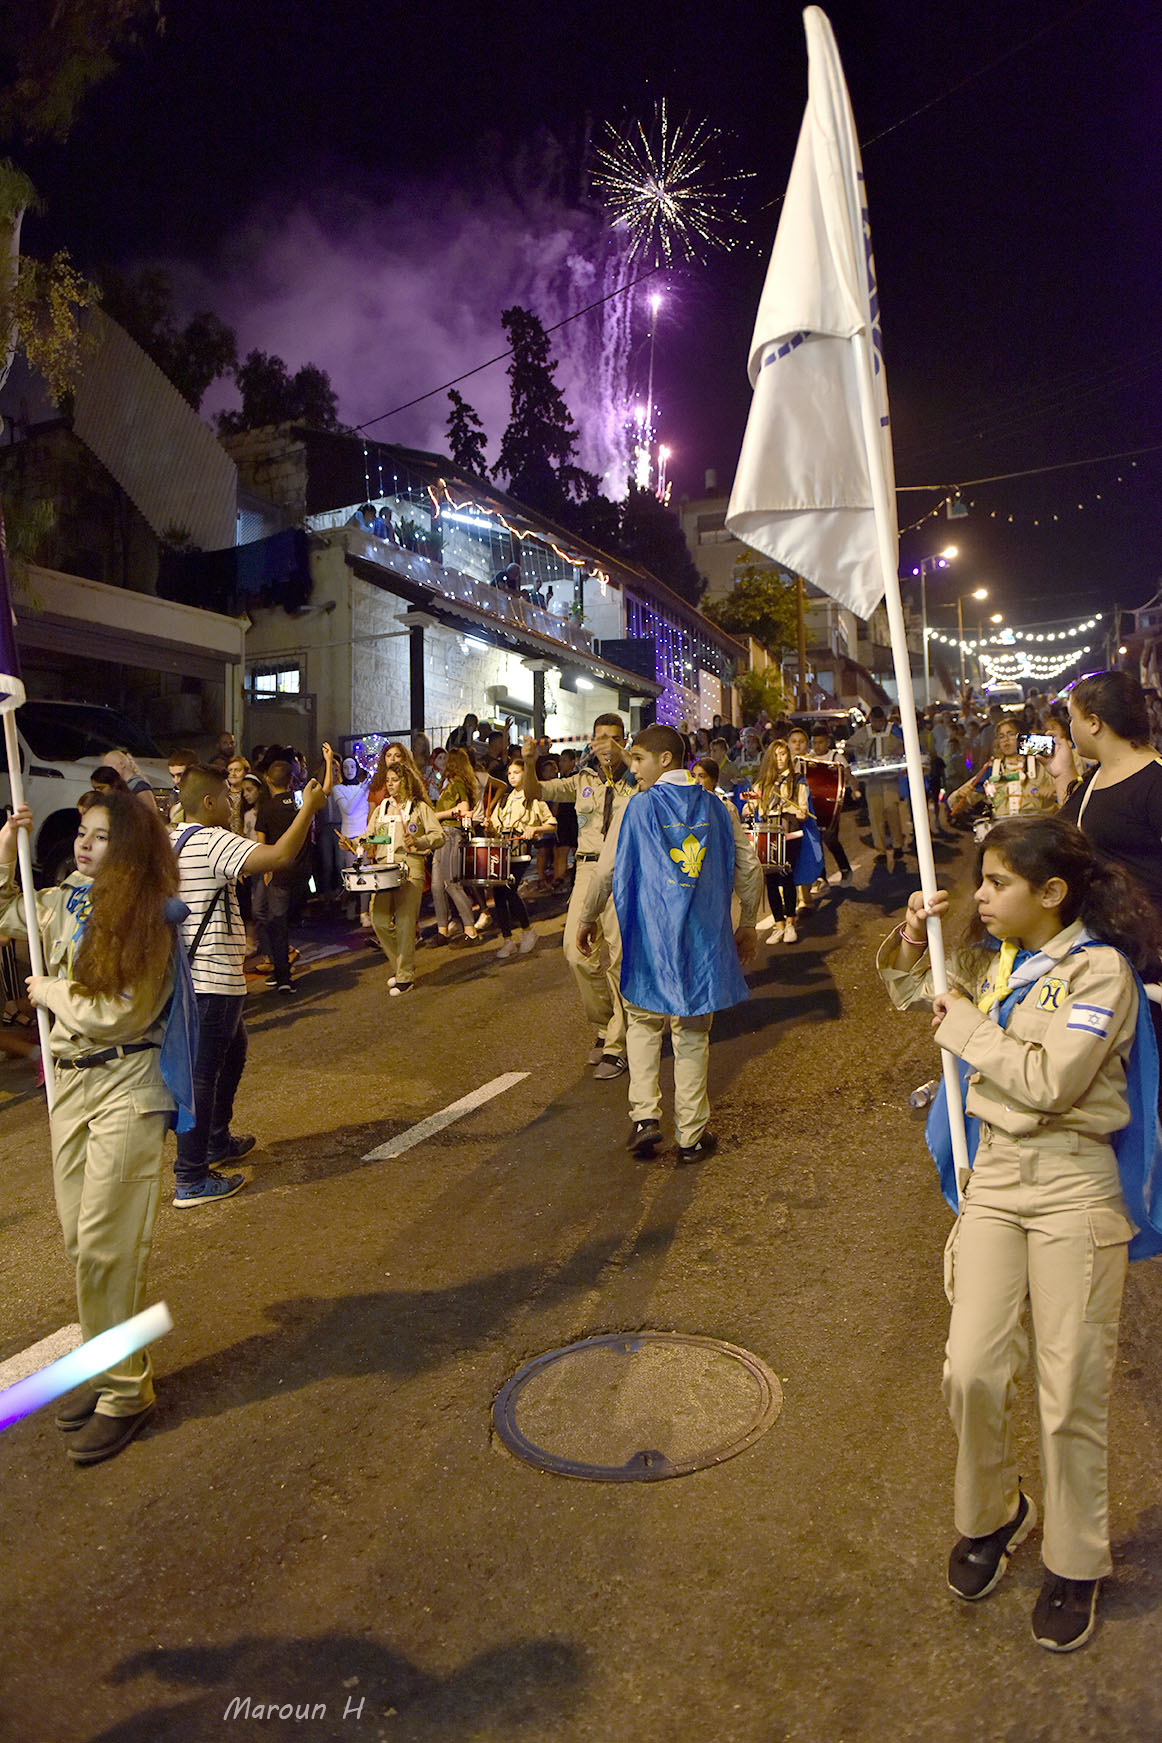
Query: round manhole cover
x=632, y=1407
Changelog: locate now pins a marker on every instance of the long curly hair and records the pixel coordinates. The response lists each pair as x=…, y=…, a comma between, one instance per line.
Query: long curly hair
x=458, y=765
x=127, y=940
x=772, y=782
x=1112, y=905
x=395, y=752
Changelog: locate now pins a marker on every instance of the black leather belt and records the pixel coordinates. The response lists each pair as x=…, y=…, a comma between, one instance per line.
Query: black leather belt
x=83, y=1061
x=586, y=856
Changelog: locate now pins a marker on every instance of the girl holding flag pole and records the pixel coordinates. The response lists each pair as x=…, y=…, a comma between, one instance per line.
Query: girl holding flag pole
x=124, y=1032
x=1059, y=1071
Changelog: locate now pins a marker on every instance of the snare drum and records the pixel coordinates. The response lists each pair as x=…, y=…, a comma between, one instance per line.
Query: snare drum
x=486, y=859
x=370, y=878
x=769, y=837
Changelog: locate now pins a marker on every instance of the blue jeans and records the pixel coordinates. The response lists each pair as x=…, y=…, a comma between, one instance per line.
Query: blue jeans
x=217, y=1073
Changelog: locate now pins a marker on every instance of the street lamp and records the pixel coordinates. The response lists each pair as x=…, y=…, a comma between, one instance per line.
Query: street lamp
x=927, y=564
x=977, y=593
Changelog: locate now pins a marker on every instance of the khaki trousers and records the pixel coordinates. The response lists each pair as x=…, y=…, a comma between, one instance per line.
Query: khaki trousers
x=1036, y=1236
x=598, y=975
x=884, y=805
x=394, y=914
x=108, y=1128
x=690, y=1039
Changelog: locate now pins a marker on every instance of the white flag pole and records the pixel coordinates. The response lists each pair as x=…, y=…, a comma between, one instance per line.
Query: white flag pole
x=28, y=889
x=873, y=437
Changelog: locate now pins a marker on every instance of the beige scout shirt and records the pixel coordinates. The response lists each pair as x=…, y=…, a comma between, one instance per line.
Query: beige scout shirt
x=748, y=873
x=518, y=812
x=586, y=790
x=415, y=831
x=1060, y=1063
x=84, y=1021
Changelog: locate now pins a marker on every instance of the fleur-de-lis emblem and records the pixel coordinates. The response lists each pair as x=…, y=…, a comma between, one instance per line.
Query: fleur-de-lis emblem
x=689, y=856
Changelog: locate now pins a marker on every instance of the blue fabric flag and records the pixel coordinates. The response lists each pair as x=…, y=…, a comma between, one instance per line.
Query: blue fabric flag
x=1138, y=1146
x=672, y=884
x=807, y=852
x=179, y=1044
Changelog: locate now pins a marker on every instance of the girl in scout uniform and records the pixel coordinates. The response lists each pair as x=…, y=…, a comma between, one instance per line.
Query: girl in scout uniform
x=403, y=828
x=108, y=949
x=528, y=821
x=1014, y=785
x=1049, y=1020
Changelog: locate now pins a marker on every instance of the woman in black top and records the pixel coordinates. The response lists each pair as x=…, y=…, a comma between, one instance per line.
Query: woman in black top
x=1119, y=803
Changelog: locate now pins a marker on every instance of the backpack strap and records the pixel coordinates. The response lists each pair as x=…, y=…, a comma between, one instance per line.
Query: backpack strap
x=222, y=890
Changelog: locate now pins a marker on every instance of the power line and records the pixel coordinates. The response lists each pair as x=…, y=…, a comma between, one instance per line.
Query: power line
x=1034, y=471
x=501, y=355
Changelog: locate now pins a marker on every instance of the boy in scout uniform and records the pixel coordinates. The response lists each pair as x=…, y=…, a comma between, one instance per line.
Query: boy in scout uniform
x=599, y=792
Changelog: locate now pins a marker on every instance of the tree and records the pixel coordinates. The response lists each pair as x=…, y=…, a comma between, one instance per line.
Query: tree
x=537, y=452
x=761, y=604
x=193, y=356
x=52, y=55
x=652, y=536
x=271, y=395
x=466, y=437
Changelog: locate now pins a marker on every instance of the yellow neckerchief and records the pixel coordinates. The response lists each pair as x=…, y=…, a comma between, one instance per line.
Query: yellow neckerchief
x=992, y=995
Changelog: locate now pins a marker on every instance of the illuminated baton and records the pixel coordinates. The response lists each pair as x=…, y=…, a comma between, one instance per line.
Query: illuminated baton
x=85, y=1363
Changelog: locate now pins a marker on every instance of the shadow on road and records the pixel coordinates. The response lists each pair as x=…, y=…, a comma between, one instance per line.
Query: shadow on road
x=521, y=1683
x=400, y=1333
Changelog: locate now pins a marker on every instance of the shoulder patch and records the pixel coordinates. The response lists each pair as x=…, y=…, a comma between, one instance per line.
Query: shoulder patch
x=1051, y=994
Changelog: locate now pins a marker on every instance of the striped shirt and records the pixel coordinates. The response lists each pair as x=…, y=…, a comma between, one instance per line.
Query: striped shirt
x=210, y=860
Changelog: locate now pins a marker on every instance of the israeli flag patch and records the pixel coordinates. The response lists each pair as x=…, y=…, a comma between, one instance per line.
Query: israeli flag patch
x=1094, y=1019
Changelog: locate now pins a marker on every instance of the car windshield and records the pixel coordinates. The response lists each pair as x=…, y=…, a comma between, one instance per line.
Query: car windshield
x=66, y=731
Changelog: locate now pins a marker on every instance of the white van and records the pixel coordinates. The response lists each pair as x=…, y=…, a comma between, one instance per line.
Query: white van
x=61, y=743
x=1005, y=695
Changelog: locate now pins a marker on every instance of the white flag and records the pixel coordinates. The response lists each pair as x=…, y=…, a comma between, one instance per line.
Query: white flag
x=803, y=490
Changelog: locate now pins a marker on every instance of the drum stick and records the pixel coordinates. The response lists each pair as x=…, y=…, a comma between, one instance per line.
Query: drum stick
x=92, y=1358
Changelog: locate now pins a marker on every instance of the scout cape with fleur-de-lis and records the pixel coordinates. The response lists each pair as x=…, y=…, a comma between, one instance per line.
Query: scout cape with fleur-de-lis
x=672, y=885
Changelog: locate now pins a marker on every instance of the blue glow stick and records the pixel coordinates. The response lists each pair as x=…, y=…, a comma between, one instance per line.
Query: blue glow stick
x=92, y=1358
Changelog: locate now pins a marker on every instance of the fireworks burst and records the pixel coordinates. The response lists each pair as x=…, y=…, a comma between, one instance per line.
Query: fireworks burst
x=665, y=186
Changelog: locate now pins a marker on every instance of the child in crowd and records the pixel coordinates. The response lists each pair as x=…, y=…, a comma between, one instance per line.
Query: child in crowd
x=529, y=821
x=1048, y=1015
x=403, y=829
x=673, y=858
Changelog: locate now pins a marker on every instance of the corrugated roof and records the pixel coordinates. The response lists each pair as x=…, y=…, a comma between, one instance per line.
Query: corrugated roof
x=166, y=460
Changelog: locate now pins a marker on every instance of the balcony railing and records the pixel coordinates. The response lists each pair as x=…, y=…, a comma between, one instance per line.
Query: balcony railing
x=481, y=596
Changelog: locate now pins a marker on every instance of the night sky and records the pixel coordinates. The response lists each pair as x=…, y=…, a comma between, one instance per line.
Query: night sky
x=366, y=186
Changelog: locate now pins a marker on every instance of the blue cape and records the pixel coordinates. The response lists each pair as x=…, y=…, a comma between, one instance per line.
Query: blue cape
x=807, y=852
x=1138, y=1146
x=672, y=883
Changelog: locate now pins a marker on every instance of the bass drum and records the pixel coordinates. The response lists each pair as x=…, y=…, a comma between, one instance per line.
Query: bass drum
x=825, y=784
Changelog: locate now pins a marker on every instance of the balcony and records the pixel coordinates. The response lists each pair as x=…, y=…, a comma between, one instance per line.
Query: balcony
x=473, y=597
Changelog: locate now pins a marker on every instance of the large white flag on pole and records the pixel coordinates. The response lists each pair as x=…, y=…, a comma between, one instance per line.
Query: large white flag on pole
x=815, y=486
x=803, y=492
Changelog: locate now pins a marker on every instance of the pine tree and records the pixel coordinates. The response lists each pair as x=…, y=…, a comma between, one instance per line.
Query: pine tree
x=271, y=395
x=537, y=453
x=466, y=437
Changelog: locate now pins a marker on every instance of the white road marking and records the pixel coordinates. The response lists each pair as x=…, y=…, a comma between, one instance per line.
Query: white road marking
x=39, y=1355
x=446, y=1116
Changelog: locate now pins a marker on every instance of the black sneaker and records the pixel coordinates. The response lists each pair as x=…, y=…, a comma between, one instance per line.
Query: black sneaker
x=698, y=1151
x=1065, y=1614
x=644, y=1138
x=286, y=987
x=977, y=1564
x=234, y=1148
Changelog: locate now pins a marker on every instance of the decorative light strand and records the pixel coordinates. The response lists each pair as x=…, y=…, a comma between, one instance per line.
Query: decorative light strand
x=440, y=490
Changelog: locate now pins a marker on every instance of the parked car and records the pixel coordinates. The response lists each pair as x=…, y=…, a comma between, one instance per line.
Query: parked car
x=61, y=743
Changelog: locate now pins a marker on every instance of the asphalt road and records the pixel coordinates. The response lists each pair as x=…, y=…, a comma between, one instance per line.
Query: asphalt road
x=319, y=1518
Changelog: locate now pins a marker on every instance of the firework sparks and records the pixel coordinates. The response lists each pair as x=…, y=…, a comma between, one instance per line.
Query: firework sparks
x=664, y=185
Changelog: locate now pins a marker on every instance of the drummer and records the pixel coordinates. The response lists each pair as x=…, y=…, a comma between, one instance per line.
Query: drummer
x=823, y=750
x=599, y=790
x=779, y=793
x=807, y=858
x=526, y=821
x=402, y=830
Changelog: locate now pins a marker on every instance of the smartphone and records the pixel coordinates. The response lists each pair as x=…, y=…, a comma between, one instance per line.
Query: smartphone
x=1036, y=744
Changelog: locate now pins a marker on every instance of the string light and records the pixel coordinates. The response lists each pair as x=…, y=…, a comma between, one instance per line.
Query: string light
x=440, y=494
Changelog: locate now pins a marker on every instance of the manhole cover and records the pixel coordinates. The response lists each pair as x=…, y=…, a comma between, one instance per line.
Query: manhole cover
x=635, y=1407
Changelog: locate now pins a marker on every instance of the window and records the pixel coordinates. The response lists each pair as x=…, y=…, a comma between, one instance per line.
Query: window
x=281, y=681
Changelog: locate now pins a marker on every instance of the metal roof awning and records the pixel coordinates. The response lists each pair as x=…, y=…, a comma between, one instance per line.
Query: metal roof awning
x=459, y=615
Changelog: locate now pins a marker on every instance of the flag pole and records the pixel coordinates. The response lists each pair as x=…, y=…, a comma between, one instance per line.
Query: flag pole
x=28, y=890
x=901, y=660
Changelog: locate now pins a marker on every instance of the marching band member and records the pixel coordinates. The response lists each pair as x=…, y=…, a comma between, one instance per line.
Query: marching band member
x=402, y=830
x=1014, y=785
x=672, y=860
x=807, y=855
x=527, y=821
x=456, y=802
x=778, y=791
x=886, y=794
x=599, y=790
